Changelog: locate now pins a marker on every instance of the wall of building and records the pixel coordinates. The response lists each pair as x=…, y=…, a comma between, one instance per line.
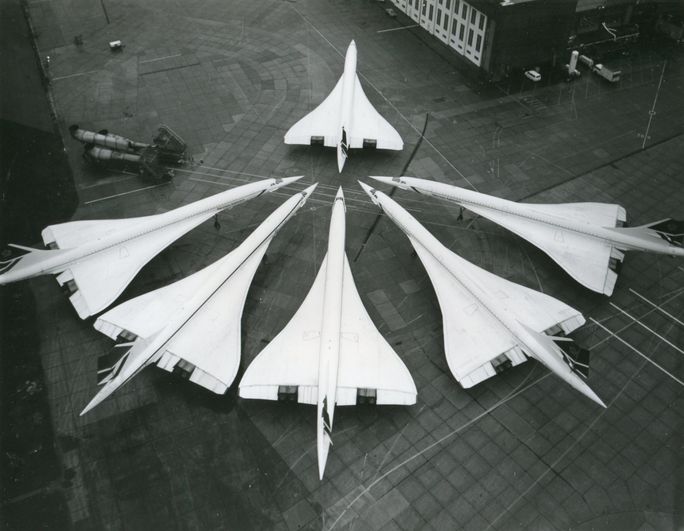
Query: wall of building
x=456, y=23
x=496, y=38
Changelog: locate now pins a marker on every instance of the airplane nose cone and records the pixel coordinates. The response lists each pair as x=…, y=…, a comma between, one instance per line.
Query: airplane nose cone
x=340, y=194
x=399, y=182
x=371, y=193
x=308, y=191
x=366, y=188
x=394, y=181
x=284, y=181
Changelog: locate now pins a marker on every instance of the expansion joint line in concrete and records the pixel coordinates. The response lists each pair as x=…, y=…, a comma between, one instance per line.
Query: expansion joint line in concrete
x=394, y=188
x=603, y=165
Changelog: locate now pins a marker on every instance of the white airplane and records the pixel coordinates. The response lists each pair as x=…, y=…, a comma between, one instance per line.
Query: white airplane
x=330, y=353
x=586, y=239
x=96, y=259
x=345, y=119
x=489, y=322
x=193, y=325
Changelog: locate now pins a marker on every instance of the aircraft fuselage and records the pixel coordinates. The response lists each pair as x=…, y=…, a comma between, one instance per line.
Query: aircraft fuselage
x=57, y=260
x=144, y=352
x=330, y=330
x=348, y=82
x=466, y=198
x=530, y=342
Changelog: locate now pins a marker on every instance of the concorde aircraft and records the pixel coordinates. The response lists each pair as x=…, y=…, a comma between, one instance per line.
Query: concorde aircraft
x=330, y=353
x=96, y=259
x=490, y=322
x=345, y=119
x=193, y=325
x=585, y=239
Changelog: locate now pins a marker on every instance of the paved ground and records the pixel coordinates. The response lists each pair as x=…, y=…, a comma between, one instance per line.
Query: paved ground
x=519, y=450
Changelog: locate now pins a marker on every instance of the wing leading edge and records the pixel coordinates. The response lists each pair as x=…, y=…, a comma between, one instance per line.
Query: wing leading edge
x=325, y=123
x=366, y=361
x=475, y=342
x=98, y=280
x=206, y=348
x=369, y=125
x=588, y=260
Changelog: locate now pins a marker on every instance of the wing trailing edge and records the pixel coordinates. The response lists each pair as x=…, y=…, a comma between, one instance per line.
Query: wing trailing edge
x=369, y=370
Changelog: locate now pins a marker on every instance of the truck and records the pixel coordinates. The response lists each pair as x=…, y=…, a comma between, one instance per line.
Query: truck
x=606, y=73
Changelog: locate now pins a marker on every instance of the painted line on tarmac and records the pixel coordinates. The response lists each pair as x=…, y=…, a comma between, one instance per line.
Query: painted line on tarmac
x=160, y=58
x=647, y=328
x=124, y=193
x=612, y=334
x=657, y=307
x=397, y=29
x=59, y=78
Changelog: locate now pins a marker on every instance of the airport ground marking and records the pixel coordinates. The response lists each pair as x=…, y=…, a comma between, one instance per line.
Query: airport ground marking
x=389, y=103
x=105, y=182
x=651, y=112
x=59, y=78
x=657, y=307
x=612, y=334
x=124, y=193
x=676, y=293
x=573, y=445
x=397, y=29
x=160, y=58
x=391, y=449
x=647, y=328
x=519, y=390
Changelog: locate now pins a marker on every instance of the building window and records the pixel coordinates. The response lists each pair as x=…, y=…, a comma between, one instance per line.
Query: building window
x=446, y=22
x=482, y=21
x=439, y=16
x=470, y=37
x=473, y=13
x=448, y=5
x=432, y=10
x=460, y=35
x=478, y=43
x=453, y=28
x=424, y=7
x=464, y=8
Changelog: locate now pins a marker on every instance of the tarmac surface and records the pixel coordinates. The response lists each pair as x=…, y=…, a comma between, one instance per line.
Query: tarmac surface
x=520, y=450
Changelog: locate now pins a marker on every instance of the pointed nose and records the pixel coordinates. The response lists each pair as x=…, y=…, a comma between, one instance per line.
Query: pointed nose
x=284, y=181
x=399, y=182
x=366, y=188
x=394, y=181
x=372, y=193
x=308, y=191
x=340, y=194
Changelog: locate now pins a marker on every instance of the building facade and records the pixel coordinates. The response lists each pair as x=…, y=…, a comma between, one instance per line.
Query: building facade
x=502, y=37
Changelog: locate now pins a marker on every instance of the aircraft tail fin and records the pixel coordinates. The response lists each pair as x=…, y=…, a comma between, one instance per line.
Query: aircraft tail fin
x=32, y=257
x=577, y=358
x=670, y=229
x=572, y=367
x=134, y=359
